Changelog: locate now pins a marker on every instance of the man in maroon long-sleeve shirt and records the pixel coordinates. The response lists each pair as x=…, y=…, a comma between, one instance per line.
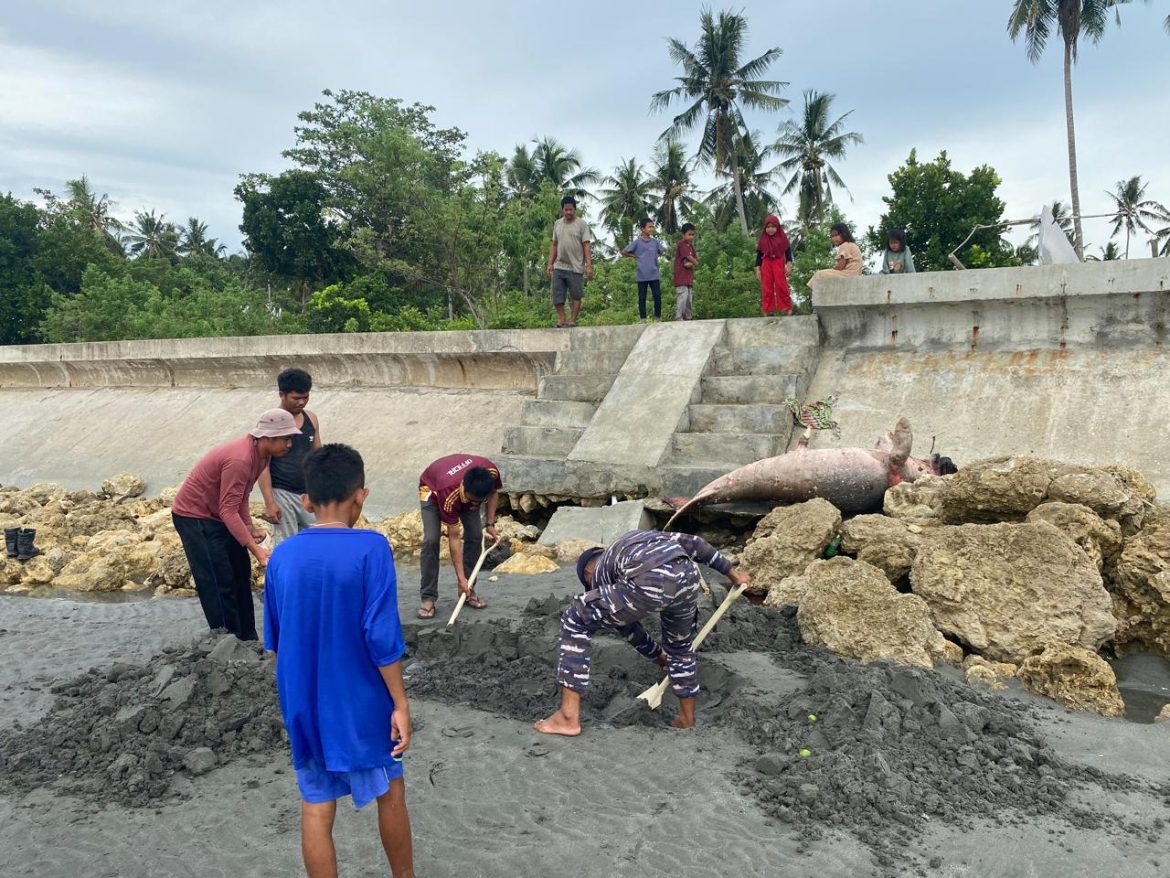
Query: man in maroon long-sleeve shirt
x=212, y=518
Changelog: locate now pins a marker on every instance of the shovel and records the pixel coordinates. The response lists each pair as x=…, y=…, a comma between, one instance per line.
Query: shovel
x=653, y=695
x=471, y=579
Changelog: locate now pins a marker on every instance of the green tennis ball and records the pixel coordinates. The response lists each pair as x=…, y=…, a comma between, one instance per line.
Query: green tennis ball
x=804, y=754
x=812, y=717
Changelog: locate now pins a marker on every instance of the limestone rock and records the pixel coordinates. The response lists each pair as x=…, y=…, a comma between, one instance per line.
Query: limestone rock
x=569, y=551
x=996, y=489
x=405, y=533
x=1100, y=490
x=952, y=654
x=122, y=486
x=916, y=502
x=112, y=560
x=11, y=571
x=520, y=547
x=37, y=571
x=528, y=565
x=787, y=540
x=990, y=674
x=886, y=543
x=167, y=495
x=788, y=592
x=852, y=609
x=1163, y=715
x=1100, y=539
x=510, y=529
x=1140, y=581
x=1007, y=590
x=1078, y=678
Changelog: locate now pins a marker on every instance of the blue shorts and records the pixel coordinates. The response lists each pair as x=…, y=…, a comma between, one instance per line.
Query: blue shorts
x=317, y=784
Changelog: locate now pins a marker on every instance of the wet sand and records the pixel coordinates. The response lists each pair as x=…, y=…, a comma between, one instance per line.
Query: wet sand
x=491, y=797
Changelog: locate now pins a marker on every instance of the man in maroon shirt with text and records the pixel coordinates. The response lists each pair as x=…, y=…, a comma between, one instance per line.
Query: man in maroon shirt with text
x=450, y=492
x=214, y=522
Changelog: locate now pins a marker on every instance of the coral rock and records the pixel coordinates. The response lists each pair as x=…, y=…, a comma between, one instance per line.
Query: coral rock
x=787, y=540
x=122, y=486
x=1100, y=539
x=916, y=502
x=528, y=565
x=1077, y=678
x=886, y=543
x=989, y=674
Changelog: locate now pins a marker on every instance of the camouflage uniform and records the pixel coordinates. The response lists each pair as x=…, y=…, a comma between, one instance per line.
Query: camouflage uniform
x=642, y=572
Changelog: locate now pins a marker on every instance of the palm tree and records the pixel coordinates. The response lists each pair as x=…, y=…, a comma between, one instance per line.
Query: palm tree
x=1134, y=210
x=807, y=147
x=94, y=211
x=718, y=85
x=627, y=200
x=1109, y=253
x=151, y=235
x=1060, y=214
x=193, y=239
x=759, y=199
x=562, y=167
x=522, y=174
x=1073, y=19
x=671, y=183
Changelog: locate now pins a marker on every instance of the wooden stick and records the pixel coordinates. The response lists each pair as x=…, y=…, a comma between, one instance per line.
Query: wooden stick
x=471, y=579
x=653, y=695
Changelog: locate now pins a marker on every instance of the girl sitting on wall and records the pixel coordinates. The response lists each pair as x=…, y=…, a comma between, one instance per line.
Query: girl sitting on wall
x=848, y=256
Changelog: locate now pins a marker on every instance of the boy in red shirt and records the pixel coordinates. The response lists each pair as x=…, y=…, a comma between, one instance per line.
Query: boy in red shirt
x=685, y=260
x=450, y=492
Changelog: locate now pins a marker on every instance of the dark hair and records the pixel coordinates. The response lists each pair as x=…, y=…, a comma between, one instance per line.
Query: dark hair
x=479, y=482
x=643, y=222
x=294, y=381
x=842, y=230
x=333, y=473
x=944, y=466
x=896, y=235
x=568, y=199
x=687, y=227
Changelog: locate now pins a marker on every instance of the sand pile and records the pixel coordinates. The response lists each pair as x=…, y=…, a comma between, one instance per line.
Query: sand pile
x=125, y=733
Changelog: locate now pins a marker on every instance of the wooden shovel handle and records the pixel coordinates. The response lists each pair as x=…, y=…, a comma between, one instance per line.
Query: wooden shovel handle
x=471, y=579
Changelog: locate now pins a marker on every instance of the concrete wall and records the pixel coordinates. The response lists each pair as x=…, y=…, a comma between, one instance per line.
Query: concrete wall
x=1068, y=362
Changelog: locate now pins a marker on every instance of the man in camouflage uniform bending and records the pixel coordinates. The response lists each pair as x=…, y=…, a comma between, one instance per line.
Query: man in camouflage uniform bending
x=642, y=572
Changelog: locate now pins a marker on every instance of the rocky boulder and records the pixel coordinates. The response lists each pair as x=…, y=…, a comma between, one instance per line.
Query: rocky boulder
x=112, y=560
x=1007, y=590
x=529, y=565
x=1100, y=539
x=123, y=486
x=889, y=544
x=979, y=670
x=787, y=540
x=851, y=608
x=916, y=502
x=1140, y=581
x=1078, y=678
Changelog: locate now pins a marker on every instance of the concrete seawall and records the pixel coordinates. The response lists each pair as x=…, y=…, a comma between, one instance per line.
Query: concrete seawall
x=1060, y=361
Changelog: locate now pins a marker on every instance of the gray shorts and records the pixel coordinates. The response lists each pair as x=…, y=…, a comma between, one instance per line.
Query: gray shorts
x=294, y=518
x=567, y=285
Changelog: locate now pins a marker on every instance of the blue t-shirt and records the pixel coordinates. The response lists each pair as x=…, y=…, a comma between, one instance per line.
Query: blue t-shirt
x=646, y=251
x=331, y=616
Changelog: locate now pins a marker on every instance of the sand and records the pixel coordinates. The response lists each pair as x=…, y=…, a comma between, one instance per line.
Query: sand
x=1007, y=785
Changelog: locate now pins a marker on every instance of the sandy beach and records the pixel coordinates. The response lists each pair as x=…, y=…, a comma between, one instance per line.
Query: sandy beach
x=490, y=797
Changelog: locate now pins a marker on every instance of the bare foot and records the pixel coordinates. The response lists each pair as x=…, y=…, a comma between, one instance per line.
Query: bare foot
x=681, y=722
x=558, y=724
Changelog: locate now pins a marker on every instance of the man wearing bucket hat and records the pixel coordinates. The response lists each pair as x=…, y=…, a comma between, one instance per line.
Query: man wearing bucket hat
x=214, y=522
x=644, y=571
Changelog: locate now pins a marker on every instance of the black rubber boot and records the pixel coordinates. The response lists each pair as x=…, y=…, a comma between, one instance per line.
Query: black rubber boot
x=24, y=544
x=10, y=540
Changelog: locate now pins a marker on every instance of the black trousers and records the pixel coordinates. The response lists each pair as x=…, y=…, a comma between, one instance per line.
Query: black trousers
x=223, y=574
x=432, y=534
x=655, y=287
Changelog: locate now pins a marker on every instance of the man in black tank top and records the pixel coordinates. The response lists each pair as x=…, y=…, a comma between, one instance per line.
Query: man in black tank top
x=283, y=482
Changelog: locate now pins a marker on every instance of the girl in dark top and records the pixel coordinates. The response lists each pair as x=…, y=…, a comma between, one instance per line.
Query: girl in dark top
x=773, y=256
x=897, y=259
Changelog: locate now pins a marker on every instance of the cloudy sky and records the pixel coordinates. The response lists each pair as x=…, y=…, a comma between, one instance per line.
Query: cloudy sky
x=164, y=103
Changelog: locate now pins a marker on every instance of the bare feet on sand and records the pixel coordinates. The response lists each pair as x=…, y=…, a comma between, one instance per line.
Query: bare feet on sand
x=558, y=724
x=681, y=722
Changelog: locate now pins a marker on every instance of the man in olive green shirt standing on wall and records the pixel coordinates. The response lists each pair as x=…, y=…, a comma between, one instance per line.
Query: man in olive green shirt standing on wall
x=570, y=261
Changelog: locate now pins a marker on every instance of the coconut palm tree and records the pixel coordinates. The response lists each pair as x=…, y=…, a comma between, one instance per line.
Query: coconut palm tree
x=193, y=239
x=671, y=184
x=93, y=211
x=759, y=198
x=562, y=167
x=522, y=174
x=719, y=85
x=1060, y=214
x=1134, y=211
x=807, y=147
x=151, y=235
x=628, y=199
x=1109, y=253
x=1073, y=20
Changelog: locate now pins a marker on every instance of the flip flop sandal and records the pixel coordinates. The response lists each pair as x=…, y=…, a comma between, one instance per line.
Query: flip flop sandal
x=476, y=602
x=426, y=612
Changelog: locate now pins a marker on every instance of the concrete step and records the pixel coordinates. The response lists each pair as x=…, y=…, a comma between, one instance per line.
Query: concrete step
x=540, y=441
x=685, y=480
x=578, y=388
x=800, y=331
x=556, y=413
x=604, y=338
x=748, y=389
x=735, y=449
x=763, y=418
x=602, y=362
x=760, y=361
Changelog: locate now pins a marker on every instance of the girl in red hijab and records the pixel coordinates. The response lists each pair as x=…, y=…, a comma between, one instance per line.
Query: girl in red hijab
x=773, y=254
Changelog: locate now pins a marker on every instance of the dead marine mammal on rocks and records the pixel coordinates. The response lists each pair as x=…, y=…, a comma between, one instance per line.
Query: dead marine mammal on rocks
x=852, y=479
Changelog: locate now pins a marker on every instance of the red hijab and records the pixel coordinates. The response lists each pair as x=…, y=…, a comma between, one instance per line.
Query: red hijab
x=773, y=246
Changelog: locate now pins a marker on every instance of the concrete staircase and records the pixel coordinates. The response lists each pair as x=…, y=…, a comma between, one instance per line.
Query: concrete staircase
x=567, y=399
x=740, y=416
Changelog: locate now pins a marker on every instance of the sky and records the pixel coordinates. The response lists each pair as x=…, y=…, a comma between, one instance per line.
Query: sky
x=165, y=103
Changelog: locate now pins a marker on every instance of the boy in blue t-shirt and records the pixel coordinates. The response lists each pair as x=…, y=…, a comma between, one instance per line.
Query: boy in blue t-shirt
x=331, y=617
x=646, y=249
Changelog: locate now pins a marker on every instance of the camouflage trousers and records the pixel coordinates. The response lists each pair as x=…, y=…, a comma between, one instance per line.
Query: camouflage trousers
x=619, y=608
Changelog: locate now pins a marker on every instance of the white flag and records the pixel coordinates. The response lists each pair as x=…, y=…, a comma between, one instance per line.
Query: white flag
x=1054, y=247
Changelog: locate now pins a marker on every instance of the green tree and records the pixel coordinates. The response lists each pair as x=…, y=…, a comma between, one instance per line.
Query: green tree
x=23, y=294
x=670, y=181
x=194, y=240
x=939, y=207
x=758, y=196
x=522, y=174
x=1073, y=20
x=555, y=163
x=718, y=85
x=151, y=236
x=1109, y=253
x=807, y=147
x=94, y=212
x=1133, y=211
x=627, y=198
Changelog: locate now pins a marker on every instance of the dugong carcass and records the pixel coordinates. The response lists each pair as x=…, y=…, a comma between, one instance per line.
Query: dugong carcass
x=852, y=479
